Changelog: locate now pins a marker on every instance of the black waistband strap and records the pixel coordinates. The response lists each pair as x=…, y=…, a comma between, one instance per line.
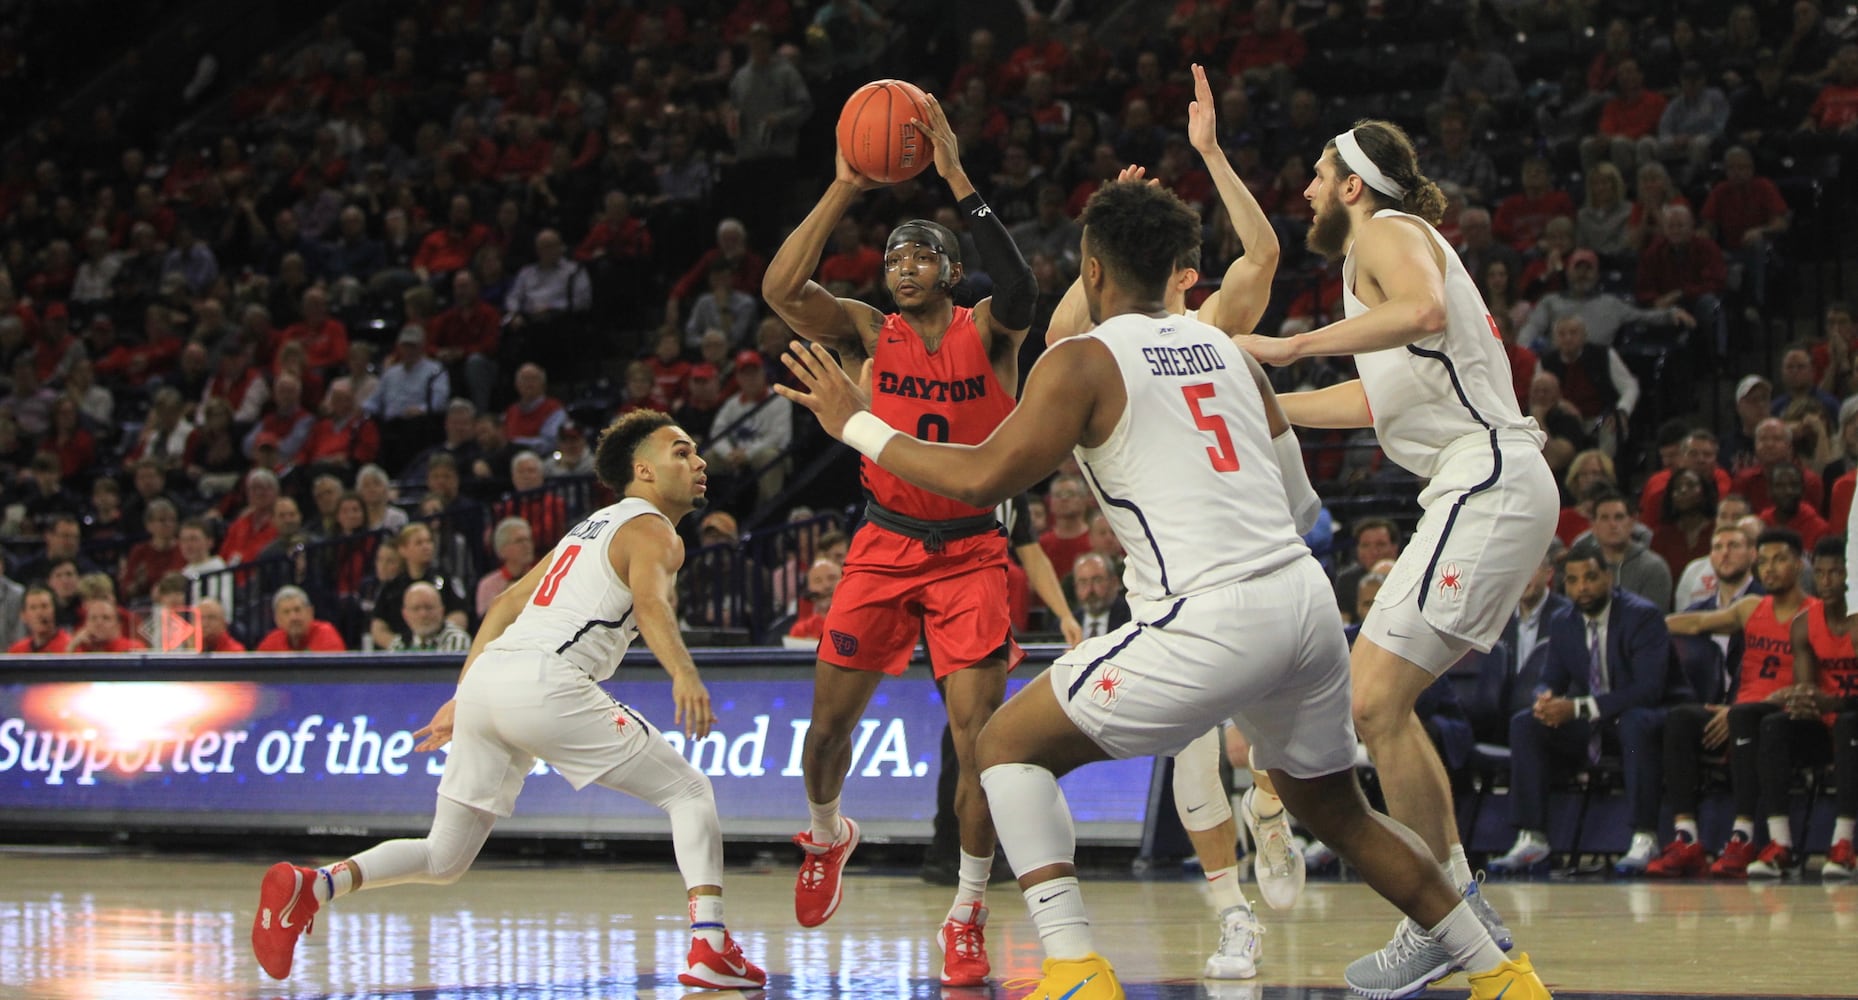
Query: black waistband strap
x=933, y=534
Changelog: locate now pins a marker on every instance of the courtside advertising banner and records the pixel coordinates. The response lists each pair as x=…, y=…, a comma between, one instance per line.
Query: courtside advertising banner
x=335, y=756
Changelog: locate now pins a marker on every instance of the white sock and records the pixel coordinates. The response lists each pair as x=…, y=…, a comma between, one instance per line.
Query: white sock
x=1462, y=934
x=826, y=826
x=1686, y=830
x=971, y=883
x=1780, y=831
x=333, y=881
x=1842, y=828
x=1645, y=839
x=1057, y=909
x=1744, y=828
x=1223, y=887
x=1265, y=803
x=706, y=920
x=1457, y=868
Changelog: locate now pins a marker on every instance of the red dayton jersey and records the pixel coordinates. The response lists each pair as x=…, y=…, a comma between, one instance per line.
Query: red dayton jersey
x=951, y=395
x=1838, y=662
x=1767, y=652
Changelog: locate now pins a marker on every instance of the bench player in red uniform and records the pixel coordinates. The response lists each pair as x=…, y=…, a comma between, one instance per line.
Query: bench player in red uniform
x=922, y=564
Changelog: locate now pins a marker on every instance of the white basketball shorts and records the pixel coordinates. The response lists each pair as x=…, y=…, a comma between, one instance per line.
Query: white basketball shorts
x=1266, y=653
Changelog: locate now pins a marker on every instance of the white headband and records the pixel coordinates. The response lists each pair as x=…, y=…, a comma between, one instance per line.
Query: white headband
x=1358, y=163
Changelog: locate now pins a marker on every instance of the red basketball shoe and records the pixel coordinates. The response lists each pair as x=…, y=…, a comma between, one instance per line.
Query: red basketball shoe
x=286, y=910
x=1680, y=859
x=1733, y=861
x=817, y=889
x=964, y=949
x=720, y=970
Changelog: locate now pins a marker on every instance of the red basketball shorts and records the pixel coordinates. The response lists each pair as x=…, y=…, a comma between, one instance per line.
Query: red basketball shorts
x=895, y=591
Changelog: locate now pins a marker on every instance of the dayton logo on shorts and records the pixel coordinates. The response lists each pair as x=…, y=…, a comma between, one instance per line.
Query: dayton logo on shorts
x=1451, y=581
x=1107, y=689
x=844, y=645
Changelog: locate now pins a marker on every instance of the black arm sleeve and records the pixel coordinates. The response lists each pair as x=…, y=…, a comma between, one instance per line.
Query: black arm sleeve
x=1015, y=290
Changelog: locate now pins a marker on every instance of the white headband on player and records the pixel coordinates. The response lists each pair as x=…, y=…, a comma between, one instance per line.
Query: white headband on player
x=1358, y=163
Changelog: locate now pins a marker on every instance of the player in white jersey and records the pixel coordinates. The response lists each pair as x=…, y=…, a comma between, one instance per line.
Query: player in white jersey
x=1435, y=386
x=1180, y=437
x=1200, y=798
x=529, y=690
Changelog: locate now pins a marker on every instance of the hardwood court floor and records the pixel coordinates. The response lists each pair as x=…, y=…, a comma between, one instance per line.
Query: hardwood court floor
x=106, y=926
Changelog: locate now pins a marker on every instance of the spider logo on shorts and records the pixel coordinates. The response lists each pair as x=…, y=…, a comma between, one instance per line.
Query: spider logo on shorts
x=1451, y=581
x=619, y=720
x=1107, y=689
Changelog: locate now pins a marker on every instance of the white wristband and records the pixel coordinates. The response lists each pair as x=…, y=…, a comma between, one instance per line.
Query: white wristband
x=868, y=433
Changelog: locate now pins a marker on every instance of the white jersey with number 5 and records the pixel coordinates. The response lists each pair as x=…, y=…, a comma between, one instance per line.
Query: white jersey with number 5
x=1443, y=388
x=582, y=610
x=1187, y=478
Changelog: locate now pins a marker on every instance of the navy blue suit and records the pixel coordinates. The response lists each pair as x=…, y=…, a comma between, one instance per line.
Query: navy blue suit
x=1640, y=673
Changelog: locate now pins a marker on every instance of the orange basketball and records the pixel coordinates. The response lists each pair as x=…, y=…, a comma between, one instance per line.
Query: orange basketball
x=875, y=133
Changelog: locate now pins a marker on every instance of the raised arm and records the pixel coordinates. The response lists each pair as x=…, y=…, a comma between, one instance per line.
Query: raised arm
x=1007, y=313
x=1055, y=413
x=1305, y=505
x=646, y=553
x=844, y=325
x=1246, y=289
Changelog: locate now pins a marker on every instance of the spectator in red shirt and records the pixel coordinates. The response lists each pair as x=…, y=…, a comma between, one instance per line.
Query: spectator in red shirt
x=68, y=441
x=1041, y=53
x=251, y=531
x=527, y=155
x=1069, y=534
x=298, y=629
x=1632, y=114
x=1685, y=268
x=39, y=612
x=1744, y=214
x=1773, y=447
x=1521, y=217
x=1786, y=484
x=345, y=439
x=210, y=616
x=102, y=631
x=1831, y=126
x=514, y=544
x=1268, y=52
x=465, y=337
x=618, y=236
x=533, y=420
x=670, y=372
x=451, y=248
x=852, y=269
x=822, y=579
x=983, y=62
x=160, y=555
x=546, y=513
x=324, y=338
x=287, y=422
x=732, y=247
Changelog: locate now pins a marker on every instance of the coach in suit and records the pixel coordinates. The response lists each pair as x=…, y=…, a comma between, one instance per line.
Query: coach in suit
x=1497, y=697
x=1101, y=607
x=1609, y=674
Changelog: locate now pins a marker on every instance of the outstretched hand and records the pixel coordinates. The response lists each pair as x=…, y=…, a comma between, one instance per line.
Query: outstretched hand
x=438, y=732
x=1202, y=125
x=832, y=395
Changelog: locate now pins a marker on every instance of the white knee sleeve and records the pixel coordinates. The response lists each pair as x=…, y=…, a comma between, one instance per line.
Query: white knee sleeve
x=1031, y=816
x=659, y=776
x=1199, y=795
x=440, y=858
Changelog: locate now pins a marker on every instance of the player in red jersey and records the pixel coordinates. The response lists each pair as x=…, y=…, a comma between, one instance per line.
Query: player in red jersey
x=922, y=564
x=1762, y=686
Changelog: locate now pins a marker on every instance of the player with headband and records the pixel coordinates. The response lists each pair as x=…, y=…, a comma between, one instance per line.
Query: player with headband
x=1435, y=386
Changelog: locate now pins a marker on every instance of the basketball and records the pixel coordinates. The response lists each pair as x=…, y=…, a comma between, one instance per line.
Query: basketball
x=875, y=133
